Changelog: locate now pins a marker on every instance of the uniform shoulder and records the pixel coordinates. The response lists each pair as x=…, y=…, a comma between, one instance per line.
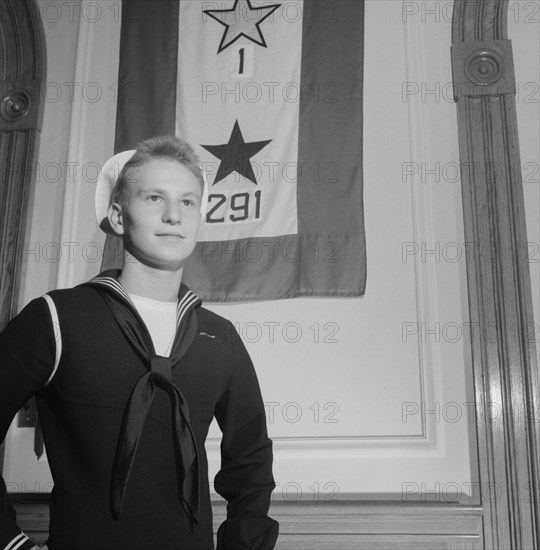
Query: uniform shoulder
x=80, y=302
x=71, y=295
x=209, y=315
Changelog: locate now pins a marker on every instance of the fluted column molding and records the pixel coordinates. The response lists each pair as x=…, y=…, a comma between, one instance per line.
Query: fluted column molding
x=500, y=298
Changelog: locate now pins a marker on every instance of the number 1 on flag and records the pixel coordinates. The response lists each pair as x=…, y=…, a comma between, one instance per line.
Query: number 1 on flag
x=242, y=60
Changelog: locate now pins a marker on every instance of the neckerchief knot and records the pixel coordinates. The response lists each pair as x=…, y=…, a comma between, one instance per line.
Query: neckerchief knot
x=160, y=367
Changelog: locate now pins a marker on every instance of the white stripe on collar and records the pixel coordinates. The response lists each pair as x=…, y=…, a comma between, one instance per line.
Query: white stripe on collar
x=114, y=284
x=188, y=300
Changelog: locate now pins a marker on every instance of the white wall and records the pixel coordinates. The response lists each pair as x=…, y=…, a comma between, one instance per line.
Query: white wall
x=345, y=399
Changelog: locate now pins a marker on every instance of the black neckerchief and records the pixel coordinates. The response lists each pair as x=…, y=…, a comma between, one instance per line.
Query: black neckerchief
x=159, y=374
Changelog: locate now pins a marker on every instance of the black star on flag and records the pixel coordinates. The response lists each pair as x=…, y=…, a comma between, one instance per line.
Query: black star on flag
x=235, y=156
x=242, y=20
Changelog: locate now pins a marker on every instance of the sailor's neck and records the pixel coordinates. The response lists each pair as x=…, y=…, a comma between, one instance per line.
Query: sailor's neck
x=152, y=283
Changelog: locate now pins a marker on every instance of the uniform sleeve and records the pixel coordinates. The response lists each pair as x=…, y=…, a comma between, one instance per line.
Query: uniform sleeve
x=245, y=479
x=27, y=351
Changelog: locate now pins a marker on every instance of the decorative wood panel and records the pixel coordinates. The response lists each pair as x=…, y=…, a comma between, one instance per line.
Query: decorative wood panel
x=22, y=70
x=500, y=299
x=22, y=67
x=339, y=526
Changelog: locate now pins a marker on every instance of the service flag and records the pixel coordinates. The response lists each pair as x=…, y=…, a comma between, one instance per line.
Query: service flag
x=270, y=95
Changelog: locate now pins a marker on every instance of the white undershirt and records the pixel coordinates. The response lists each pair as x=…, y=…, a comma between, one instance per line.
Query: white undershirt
x=160, y=320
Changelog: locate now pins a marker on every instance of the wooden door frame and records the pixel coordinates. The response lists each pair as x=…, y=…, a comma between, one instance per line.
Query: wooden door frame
x=499, y=284
x=21, y=118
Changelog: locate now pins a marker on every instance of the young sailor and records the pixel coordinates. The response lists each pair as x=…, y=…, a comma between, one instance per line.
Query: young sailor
x=129, y=371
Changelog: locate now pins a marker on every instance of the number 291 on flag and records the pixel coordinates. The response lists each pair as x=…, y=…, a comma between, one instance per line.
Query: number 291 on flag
x=234, y=207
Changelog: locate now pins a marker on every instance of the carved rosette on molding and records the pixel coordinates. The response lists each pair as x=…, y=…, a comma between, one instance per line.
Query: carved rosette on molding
x=500, y=298
x=22, y=70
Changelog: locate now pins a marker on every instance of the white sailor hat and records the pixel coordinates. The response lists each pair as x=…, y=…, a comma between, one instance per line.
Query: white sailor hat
x=107, y=180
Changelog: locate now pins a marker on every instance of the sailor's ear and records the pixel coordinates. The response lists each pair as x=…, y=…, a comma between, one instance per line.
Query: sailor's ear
x=116, y=218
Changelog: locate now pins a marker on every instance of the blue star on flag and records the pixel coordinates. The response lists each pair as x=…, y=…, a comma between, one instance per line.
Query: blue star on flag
x=235, y=156
x=242, y=20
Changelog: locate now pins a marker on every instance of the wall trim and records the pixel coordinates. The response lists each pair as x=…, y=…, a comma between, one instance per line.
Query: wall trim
x=505, y=367
x=22, y=73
